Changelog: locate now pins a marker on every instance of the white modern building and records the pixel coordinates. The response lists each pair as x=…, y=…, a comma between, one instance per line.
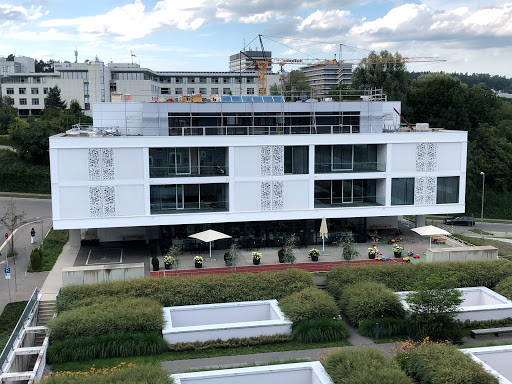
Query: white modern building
x=97, y=82
x=252, y=167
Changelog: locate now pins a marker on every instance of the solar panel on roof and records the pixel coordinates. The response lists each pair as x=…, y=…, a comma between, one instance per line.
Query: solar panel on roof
x=278, y=99
x=246, y=99
x=268, y=99
x=257, y=99
x=236, y=99
x=225, y=99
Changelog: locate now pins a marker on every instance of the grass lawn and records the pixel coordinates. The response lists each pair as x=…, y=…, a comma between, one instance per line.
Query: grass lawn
x=52, y=247
x=8, y=320
x=205, y=353
x=25, y=196
x=483, y=232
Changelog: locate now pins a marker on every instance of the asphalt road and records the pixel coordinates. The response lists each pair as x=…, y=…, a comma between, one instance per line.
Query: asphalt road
x=33, y=208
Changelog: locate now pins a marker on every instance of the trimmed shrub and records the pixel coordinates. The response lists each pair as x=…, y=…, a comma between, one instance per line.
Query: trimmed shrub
x=106, y=346
x=388, y=327
x=369, y=300
x=365, y=365
x=36, y=260
x=230, y=343
x=8, y=320
x=120, y=374
x=403, y=277
x=188, y=290
x=15, y=172
x=310, y=303
x=504, y=287
x=444, y=364
x=320, y=331
x=486, y=323
x=109, y=316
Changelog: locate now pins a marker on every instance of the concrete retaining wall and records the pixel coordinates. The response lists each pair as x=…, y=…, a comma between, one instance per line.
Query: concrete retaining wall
x=101, y=273
x=462, y=253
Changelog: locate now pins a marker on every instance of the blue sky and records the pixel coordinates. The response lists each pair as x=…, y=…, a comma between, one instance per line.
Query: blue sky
x=473, y=36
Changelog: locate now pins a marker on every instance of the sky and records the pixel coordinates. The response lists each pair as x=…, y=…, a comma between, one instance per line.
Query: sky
x=200, y=35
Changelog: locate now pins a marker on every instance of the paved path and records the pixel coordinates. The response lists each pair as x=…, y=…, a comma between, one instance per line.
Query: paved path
x=53, y=282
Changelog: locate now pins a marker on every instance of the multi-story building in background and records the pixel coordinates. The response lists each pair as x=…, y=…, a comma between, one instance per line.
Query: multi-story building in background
x=244, y=61
x=323, y=77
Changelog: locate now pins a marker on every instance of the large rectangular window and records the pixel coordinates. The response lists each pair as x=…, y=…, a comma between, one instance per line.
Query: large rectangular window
x=296, y=160
x=447, y=190
x=347, y=158
x=338, y=193
x=402, y=191
x=178, y=162
x=178, y=198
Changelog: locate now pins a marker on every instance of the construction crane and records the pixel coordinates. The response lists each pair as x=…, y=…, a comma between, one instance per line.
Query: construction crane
x=262, y=65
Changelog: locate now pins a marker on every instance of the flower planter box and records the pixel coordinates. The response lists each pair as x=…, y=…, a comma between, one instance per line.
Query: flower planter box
x=256, y=262
x=314, y=258
x=398, y=254
x=371, y=256
x=199, y=265
x=167, y=266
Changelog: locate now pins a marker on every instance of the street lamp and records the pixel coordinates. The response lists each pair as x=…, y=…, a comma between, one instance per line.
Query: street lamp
x=42, y=234
x=482, y=216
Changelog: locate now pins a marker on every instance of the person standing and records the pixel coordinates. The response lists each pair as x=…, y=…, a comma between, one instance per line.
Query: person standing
x=32, y=236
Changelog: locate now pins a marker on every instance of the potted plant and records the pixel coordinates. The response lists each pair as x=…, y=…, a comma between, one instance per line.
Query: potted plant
x=155, y=262
x=198, y=261
x=397, y=250
x=314, y=253
x=256, y=258
x=168, y=261
x=372, y=251
x=227, y=258
x=280, y=254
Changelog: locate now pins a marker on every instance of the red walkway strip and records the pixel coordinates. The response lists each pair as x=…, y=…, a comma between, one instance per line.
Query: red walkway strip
x=325, y=266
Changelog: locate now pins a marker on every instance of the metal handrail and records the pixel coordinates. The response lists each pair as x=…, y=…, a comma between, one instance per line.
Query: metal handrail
x=31, y=304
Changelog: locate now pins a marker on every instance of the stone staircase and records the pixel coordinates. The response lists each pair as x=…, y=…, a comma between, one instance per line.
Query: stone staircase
x=45, y=313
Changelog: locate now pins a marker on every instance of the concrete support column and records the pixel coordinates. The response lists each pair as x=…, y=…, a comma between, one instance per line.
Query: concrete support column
x=421, y=220
x=74, y=237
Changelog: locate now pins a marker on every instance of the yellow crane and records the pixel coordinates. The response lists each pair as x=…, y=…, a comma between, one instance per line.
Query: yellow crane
x=262, y=65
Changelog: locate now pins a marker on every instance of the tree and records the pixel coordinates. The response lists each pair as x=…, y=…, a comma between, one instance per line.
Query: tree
x=233, y=256
x=295, y=83
x=440, y=100
x=392, y=78
x=342, y=92
x=348, y=249
x=7, y=114
x=433, y=307
x=53, y=100
x=42, y=66
x=12, y=219
x=75, y=108
x=291, y=244
x=10, y=57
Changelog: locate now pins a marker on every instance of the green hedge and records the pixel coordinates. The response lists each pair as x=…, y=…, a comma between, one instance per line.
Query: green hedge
x=443, y=364
x=366, y=365
x=52, y=247
x=115, y=315
x=106, y=346
x=369, y=300
x=120, y=374
x=310, y=303
x=320, y=331
x=8, y=320
x=504, y=287
x=388, y=327
x=188, y=290
x=231, y=343
x=402, y=277
x=17, y=175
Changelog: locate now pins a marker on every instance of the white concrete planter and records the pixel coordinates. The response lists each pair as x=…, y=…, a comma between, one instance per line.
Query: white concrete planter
x=495, y=360
x=224, y=321
x=480, y=303
x=297, y=373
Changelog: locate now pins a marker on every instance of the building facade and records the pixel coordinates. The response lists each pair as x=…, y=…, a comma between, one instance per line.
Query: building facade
x=244, y=61
x=96, y=82
x=325, y=76
x=260, y=170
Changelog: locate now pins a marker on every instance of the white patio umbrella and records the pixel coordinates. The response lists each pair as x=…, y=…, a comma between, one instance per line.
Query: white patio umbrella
x=208, y=236
x=324, y=233
x=430, y=230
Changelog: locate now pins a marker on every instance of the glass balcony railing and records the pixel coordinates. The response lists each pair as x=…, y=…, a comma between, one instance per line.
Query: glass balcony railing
x=367, y=201
x=262, y=130
x=350, y=167
x=203, y=206
x=188, y=171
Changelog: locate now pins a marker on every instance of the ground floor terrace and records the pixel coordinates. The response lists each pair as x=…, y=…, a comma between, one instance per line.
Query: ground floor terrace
x=138, y=251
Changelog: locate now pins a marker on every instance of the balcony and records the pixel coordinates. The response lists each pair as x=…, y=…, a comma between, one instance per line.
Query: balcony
x=202, y=207
x=369, y=166
x=366, y=201
x=252, y=130
x=189, y=171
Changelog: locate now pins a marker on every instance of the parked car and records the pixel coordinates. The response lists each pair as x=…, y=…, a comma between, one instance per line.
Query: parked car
x=460, y=220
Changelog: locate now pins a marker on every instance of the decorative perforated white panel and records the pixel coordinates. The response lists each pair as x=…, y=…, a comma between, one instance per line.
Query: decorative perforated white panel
x=278, y=160
x=426, y=157
x=102, y=201
x=431, y=157
x=430, y=190
x=266, y=196
x=266, y=160
x=101, y=164
x=277, y=196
